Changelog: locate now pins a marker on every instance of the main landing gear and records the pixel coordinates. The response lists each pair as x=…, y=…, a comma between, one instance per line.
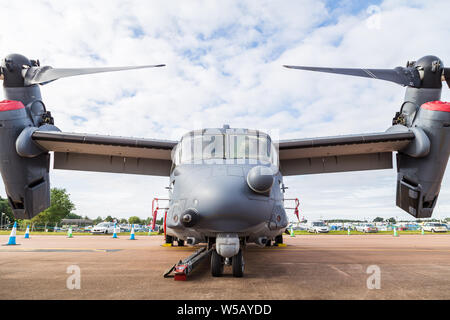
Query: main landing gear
x=170, y=240
x=278, y=240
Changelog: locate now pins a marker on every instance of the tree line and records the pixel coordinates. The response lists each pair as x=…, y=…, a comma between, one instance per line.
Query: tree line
x=130, y=220
x=61, y=207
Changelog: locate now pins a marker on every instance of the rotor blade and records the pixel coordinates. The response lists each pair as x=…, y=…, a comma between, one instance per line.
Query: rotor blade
x=447, y=76
x=403, y=76
x=41, y=75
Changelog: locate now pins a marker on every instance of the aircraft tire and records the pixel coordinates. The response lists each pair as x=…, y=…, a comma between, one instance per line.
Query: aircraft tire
x=238, y=265
x=268, y=243
x=279, y=239
x=169, y=239
x=216, y=264
x=180, y=243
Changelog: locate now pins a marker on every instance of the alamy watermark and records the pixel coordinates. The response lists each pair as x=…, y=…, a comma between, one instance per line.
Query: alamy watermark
x=374, y=280
x=227, y=146
x=74, y=280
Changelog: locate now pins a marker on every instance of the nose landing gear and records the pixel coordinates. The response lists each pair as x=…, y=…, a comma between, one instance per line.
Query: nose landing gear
x=238, y=265
x=227, y=251
x=218, y=263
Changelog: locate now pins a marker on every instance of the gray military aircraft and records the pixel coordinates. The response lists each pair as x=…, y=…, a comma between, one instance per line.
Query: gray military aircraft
x=226, y=185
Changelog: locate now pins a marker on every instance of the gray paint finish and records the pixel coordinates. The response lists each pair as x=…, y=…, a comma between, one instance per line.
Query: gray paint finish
x=104, y=145
x=358, y=162
x=114, y=164
x=344, y=145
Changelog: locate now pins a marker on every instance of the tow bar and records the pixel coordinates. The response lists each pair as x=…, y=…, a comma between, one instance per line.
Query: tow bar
x=183, y=268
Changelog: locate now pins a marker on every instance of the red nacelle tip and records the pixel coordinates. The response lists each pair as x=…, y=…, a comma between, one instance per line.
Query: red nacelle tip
x=437, y=106
x=8, y=105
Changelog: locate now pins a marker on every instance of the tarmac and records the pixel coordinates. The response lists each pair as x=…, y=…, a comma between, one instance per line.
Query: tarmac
x=309, y=267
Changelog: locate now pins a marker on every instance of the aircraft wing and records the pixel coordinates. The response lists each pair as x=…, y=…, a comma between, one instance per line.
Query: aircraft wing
x=341, y=153
x=90, y=152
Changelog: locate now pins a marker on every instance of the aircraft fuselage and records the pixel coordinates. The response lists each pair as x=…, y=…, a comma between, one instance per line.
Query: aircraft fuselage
x=230, y=189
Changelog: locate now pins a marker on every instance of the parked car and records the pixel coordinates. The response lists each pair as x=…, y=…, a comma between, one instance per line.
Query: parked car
x=366, y=228
x=104, y=227
x=318, y=227
x=295, y=227
x=336, y=227
x=435, y=227
x=124, y=228
x=138, y=228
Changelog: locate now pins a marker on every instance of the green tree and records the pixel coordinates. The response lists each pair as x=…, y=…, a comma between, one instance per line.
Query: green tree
x=123, y=221
x=73, y=216
x=134, y=220
x=109, y=219
x=98, y=220
x=391, y=220
x=6, y=209
x=60, y=207
x=378, y=219
x=24, y=223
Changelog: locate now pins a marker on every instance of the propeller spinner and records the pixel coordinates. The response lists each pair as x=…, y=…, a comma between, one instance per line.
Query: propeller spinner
x=427, y=72
x=18, y=71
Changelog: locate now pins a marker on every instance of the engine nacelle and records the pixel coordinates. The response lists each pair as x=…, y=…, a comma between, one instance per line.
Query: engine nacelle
x=25, y=176
x=420, y=172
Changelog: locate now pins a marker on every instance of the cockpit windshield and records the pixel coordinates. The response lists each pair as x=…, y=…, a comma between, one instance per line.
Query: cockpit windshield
x=244, y=146
x=199, y=146
x=202, y=147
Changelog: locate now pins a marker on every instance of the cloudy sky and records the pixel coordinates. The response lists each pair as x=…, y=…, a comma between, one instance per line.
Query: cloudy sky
x=224, y=66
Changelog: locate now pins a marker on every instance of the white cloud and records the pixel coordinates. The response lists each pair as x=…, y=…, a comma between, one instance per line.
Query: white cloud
x=224, y=66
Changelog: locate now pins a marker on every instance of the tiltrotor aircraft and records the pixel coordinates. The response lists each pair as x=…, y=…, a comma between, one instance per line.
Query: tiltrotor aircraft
x=226, y=185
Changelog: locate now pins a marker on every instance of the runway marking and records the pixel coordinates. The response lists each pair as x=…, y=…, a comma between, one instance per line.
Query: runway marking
x=60, y=250
x=351, y=249
x=192, y=249
x=339, y=271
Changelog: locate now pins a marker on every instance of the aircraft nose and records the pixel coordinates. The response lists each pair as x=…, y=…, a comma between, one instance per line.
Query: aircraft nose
x=226, y=204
